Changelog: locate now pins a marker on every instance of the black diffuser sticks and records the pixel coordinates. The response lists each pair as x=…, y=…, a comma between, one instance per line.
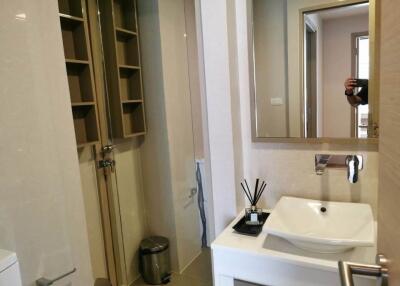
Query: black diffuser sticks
x=258, y=191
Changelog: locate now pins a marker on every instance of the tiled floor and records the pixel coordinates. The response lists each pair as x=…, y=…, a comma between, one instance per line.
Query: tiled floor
x=196, y=274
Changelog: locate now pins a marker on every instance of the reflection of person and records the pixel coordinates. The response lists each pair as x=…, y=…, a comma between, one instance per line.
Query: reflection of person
x=360, y=97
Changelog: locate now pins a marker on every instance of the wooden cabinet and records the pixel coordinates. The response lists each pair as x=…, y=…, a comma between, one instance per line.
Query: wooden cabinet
x=74, y=29
x=123, y=67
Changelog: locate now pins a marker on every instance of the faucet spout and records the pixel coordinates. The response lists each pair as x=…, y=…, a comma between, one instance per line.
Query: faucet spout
x=321, y=161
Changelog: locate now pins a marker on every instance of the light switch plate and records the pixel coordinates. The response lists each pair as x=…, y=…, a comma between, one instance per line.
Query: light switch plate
x=276, y=101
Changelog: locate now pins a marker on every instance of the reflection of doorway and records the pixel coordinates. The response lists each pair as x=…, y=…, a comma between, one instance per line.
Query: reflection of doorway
x=335, y=26
x=310, y=80
x=360, y=69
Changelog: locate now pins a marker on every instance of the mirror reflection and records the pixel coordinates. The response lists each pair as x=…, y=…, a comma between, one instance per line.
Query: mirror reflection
x=312, y=77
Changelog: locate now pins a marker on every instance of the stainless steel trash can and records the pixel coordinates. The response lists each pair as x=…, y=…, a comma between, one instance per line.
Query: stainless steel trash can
x=155, y=265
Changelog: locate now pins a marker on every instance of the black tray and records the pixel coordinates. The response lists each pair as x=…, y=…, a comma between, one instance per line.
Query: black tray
x=247, y=229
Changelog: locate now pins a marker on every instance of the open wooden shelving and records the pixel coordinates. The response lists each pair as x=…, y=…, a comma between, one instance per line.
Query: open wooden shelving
x=125, y=34
x=74, y=28
x=74, y=38
x=79, y=81
x=70, y=7
x=125, y=14
x=133, y=118
x=127, y=49
x=87, y=103
x=123, y=67
x=84, y=117
x=130, y=84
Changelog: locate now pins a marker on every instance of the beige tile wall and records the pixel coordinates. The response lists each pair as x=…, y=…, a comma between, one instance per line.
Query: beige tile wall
x=129, y=195
x=41, y=205
x=289, y=170
x=168, y=149
x=92, y=211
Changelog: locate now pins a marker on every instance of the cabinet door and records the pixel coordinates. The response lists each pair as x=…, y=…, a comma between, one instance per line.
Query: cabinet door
x=389, y=148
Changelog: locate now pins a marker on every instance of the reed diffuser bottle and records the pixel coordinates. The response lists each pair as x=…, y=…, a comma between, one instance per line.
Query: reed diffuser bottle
x=253, y=214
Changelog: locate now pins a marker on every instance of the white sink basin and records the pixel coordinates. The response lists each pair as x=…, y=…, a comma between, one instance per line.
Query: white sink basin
x=304, y=223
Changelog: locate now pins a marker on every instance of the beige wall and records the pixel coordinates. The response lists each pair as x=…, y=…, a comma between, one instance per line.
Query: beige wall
x=87, y=167
x=129, y=206
x=194, y=77
x=222, y=156
x=41, y=212
x=168, y=154
x=269, y=22
x=289, y=168
x=179, y=126
x=337, y=67
x=155, y=158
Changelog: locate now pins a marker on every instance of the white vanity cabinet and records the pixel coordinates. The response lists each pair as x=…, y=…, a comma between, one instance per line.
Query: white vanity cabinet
x=272, y=261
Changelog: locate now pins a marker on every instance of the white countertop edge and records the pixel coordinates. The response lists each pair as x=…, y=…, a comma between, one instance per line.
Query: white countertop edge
x=303, y=261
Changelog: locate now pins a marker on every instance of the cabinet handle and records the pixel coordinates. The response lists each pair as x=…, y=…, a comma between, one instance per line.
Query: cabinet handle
x=193, y=192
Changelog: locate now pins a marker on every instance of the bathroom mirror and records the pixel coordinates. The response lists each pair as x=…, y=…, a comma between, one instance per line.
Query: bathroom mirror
x=300, y=59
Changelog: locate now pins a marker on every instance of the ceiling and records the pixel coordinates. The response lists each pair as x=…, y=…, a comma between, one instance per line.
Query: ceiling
x=343, y=11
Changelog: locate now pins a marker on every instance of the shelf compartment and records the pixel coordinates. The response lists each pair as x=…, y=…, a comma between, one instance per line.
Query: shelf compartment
x=88, y=103
x=85, y=123
x=126, y=68
x=130, y=84
x=123, y=71
x=133, y=119
x=125, y=34
x=124, y=14
x=74, y=38
x=70, y=7
x=71, y=19
x=127, y=50
x=77, y=62
x=79, y=81
x=132, y=101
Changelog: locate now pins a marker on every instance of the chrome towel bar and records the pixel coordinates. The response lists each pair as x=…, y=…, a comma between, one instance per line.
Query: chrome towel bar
x=47, y=282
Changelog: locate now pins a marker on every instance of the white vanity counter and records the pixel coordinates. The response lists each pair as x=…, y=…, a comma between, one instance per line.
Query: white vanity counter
x=272, y=261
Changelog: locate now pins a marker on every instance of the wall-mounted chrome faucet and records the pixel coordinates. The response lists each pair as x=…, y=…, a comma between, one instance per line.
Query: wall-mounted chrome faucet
x=353, y=163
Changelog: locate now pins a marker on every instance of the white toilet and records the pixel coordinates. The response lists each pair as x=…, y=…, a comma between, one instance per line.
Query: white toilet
x=9, y=269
